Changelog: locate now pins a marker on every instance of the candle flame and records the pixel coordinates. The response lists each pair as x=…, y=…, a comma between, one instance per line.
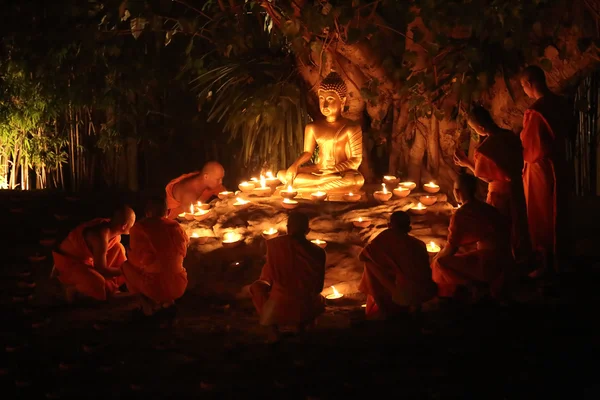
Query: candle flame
x=199, y=204
x=288, y=201
x=318, y=241
x=384, y=188
x=389, y=177
x=225, y=192
x=270, y=175
x=335, y=292
x=191, y=208
x=253, y=179
x=263, y=181
x=319, y=193
x=432, y=247
x=245, y=183
x=270, y=231
x=350, y=194
x=359, y=219
x=229, y=237
x=195, y=235
x=420, y=206
x=239, y=200
x=290, y=190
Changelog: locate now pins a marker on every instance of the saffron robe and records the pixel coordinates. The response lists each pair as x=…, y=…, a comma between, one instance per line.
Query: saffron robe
x=295, y=270
x=155, y=264
x=75, y=264
x=476, y=223
x=546, y=176
x=396, y=273
x=498, y=160
x=173, y=205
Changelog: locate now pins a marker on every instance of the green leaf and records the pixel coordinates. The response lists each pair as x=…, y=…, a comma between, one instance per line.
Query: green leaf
x=546, y=64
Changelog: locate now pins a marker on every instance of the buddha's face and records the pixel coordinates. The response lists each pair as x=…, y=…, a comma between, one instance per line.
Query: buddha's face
x=330, y=103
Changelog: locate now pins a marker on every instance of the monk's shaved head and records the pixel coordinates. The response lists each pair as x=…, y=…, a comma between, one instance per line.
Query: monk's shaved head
x=212, y=174
x=465, y=187
x=123, y=218
x=534, y=75
x=156, y=207
x=400, y=221
x=297, y=224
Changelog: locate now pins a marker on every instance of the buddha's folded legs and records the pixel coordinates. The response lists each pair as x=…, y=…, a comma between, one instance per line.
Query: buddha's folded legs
x=338, y=182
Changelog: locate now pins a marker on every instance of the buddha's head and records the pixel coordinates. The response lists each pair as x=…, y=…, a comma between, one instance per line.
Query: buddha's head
x=332, y=95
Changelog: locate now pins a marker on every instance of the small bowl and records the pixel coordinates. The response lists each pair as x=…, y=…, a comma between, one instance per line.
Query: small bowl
x=408, y=184
x=381, y=196
x=189, y=216
x=198, y=239
x=318, y=196
x=428, y=200
x=433, y=251
x=352, y=198
x=226, y=195
x=431, y=189
x=288, y=195
x=268, y=236
x=241, y=206
x=230, y=245
x=290, y=205
x=322, y=244
x=247, y=188
x=390, y=180
x=202, y=206
x=262, y=191
x=365, y=223
x=401, y=191
x=202, y=216
x=418, y=211
x=273, y=182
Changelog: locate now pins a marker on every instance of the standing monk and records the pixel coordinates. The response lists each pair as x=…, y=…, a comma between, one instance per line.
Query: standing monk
x=475, y=223
x=190, y=188
x=397, y=273
x=546, y=126
x=154, y=268
x=89, y=260
x=498, y=160
x=288, y=292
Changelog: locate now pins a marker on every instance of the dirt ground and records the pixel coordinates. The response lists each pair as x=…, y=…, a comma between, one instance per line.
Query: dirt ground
x=545, y=345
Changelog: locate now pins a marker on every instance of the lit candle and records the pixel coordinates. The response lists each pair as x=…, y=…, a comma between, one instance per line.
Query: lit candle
x=289, y=189
x=190, y=215
x=382, y=195
x=254, y=179
x=401, y=191
x=289, y=204
x=389, y=178
x=202, y=206
x=431, y=187
x=225, y=195
x=334, y=295
x=263, y=190
x=352, y=197
x=270, y=233
x=318, y=195
x=270, y=175
x=231, y=239
x=246, y=186
x=408, y=184
x=433, y=248
x=263, y=181
x=289, y=193
x=419, y=209
x=362, y=222
x=240, y=202
x=321, y=243
x=428, y=200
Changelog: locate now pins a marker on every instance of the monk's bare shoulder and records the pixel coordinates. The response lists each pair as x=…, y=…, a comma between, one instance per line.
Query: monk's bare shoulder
x=96, y=236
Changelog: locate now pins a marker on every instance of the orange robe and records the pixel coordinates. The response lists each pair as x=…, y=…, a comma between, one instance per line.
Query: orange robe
x=499, y=161
x=481, y=224
x=396, y=273
x=545, y=176
x=295, y=271
x=75, y=265
x=155, y=264
x=173, y=203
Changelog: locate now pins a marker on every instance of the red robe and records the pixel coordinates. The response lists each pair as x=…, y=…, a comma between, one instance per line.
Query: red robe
x=545, y=176
x=155, y=265
x=75, y=265
x=498, y=161
x=295, y=271
x=396, y=273
x=475, y=223
x=173, y=204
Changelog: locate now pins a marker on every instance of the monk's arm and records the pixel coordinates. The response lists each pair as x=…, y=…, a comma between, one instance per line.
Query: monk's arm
x=355, y=143
x=99, y=247
x=448, y=250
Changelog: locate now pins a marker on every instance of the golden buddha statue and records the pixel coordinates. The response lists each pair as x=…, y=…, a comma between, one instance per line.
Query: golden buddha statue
x=340, y=146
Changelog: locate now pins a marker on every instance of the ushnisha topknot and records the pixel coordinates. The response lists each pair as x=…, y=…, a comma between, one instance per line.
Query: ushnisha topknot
x=333, y=81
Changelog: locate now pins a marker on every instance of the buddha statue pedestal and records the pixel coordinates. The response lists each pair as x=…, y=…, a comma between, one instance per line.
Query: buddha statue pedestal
x=340, y=148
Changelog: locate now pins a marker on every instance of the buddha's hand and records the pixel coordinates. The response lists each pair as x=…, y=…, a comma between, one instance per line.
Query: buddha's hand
x=291, y=173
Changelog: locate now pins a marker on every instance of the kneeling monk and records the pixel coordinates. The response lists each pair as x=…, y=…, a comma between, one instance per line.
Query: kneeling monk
x=197, y=186
x=154, y=268
x=88, y=261
x=397, y=272
x=480, y=224
x=288, y=291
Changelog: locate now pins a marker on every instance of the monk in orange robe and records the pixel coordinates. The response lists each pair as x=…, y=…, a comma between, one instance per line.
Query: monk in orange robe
x=186, y=190
x=288, y=292
x=475, y=223
x=498, y=161
x=397, y=273
x=154, y=269
x=546, y=177
x=89, y=260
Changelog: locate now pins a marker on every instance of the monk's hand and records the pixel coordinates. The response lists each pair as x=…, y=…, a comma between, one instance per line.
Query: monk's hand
x=460, y=158
x=290, y=174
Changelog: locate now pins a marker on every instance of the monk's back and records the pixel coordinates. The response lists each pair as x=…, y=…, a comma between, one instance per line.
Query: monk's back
x=479, y=222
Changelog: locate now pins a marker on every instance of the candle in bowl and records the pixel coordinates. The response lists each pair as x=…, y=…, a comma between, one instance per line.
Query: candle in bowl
x=454, y=209
x=431, y=187
x=289, y=204
x=318, y=196
x=428, y=200
x=196, y=238
x=401, y=191
x=246, y=187
x=263, y=189
x=226, y=195
x=290, y=193
x=390, y=180
x=408, y=184
x=190, y=215
x=270, y=233
x=202, y=206
x=335, y=295
x=433, y=248
x=362, y=222
x=231, y=239
x=272, y=181
x=241, y=203
x=419, y=209
x=201, y=215
x=321, y=243
x=181, y=216
x=352, y=197
x=382, y=195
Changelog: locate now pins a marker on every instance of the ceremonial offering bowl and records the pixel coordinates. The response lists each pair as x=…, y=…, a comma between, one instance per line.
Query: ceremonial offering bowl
x=428, y=200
